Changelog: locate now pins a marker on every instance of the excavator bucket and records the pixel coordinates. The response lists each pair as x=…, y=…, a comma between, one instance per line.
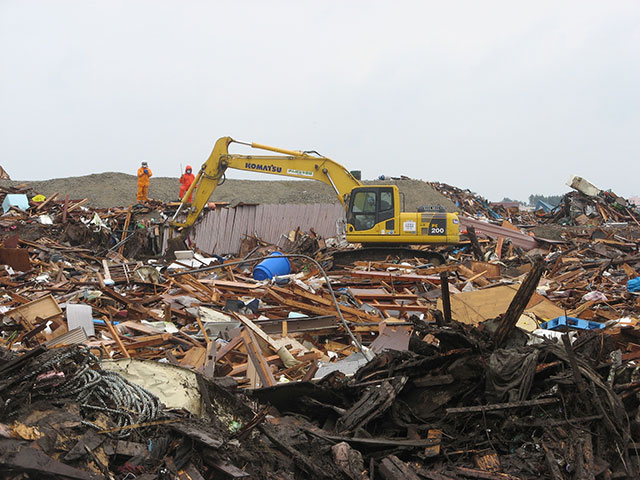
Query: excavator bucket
x=175, y=244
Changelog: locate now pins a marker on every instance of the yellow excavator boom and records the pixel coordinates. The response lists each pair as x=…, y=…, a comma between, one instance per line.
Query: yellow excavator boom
x=291, y=164
x=373, y=212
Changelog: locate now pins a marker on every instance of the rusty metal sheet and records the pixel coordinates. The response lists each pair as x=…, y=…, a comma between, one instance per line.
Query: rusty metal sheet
x=494, y=231
x=392, y=338
x=16, y=258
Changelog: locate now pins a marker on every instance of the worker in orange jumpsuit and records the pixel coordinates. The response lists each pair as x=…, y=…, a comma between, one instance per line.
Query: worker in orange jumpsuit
x=185, y=182
x=144, y=173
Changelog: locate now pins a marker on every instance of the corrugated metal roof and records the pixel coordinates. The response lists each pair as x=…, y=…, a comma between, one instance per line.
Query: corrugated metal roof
x=494, y=231
x=221, y=231
x=75, y=336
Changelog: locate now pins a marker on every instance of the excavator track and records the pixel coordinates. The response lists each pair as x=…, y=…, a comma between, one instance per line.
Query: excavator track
x=380, y=254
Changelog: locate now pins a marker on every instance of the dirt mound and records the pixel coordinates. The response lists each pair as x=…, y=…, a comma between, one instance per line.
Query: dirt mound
x=113, y=189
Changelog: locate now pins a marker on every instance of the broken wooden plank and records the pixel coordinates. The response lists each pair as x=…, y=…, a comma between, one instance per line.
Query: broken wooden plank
x=190, y=473
x=446, y=299
x=228, y=469
x=433, y=380
x=77, y=205
x=392, y=468
x=131, y=449
x=472, y=276
x=472, y=473
x=65, y=209
x=302, y=461
x=551, y=463
x=195, y=357
x=475, y=245
x=435, y=435
x=125, y=230
x=395, y=277
x=116, y=337
x=300, y=293
x=372, y=404
x=519, y=302
x=50, y=199
x=198, y=433
x=262, y=367
x=376, y=441
x=257, y=331
x=20, y=455
x=502, y=406
x=573, y=362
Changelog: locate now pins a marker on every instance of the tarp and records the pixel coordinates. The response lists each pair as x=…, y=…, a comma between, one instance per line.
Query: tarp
x=175, y=386
x=19, y=200
x=510, y=374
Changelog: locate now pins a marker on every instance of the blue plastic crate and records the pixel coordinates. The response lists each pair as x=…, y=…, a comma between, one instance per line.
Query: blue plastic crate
x=570, y=322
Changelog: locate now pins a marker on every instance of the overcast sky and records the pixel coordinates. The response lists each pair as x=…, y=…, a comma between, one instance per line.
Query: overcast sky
x=504, y=98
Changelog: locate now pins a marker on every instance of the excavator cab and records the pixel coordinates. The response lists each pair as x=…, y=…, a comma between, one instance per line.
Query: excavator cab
x=371, y=206
x=374, y=217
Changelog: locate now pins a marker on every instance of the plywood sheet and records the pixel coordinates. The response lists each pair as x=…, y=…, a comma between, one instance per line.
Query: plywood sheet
x=480, y=305
x=43, y=308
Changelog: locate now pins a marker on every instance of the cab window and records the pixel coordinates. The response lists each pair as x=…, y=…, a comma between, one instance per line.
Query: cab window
x=364, y=210
x=386, y=200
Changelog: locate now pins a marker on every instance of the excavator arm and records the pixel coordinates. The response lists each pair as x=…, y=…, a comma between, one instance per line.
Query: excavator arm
x=373, y=212
x=291, y=163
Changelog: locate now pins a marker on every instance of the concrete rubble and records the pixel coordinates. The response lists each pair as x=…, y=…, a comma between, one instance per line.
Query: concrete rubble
x=516, y=359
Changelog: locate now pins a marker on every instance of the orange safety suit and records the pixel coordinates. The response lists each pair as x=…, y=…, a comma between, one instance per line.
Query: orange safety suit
x=143, y=184
x=185, y=182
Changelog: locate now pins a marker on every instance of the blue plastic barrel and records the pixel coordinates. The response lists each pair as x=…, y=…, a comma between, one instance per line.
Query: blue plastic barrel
x=633, y=285
x=271, y=267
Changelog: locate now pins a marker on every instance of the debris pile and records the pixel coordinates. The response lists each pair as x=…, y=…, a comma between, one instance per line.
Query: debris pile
x=57, y=219
x=577, y=208
x=514, y=359
x=473, y=205
x=585, y=206
x=3, y=174
x=468, y=202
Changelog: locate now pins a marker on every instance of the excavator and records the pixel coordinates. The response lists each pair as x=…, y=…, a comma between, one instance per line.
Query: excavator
x=374, y=216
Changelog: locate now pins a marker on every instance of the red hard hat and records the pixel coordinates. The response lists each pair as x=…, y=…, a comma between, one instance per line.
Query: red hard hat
x=188, y=167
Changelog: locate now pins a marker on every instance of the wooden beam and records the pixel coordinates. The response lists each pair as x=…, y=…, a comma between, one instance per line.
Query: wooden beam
x=64, y=210
x=477, y=251
x=259, y=362
x=116, y=337
x=472, y=473
x=575, y=370
x=501, y=406
x=470, y=274
x=257, y=331
x=48, y=200
x=499, y=245
x=125, y=228
x=233, y=343
x=76, y=205
x=433, y=450
x=519, y=302
x=204, y=332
